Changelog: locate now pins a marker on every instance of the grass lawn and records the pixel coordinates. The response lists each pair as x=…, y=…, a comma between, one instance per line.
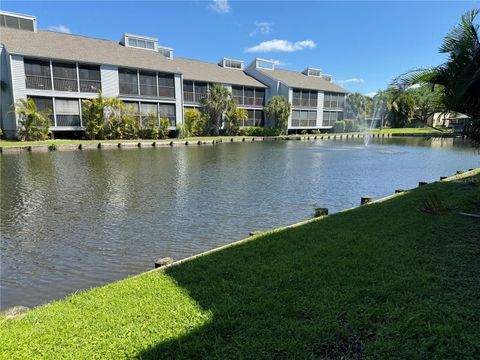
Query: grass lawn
x=380, y=281
x=204, y=138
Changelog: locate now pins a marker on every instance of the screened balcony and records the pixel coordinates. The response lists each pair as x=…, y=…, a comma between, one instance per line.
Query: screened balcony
x=194, y=91
x=37, y=74
x=148, y=84
x=90, y=80
x=248, y=96
x=65, y=77
x=128, y=81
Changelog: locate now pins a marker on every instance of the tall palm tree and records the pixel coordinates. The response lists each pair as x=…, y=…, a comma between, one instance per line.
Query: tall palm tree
x=459, y=75
x=279, y=110
x=217, y=102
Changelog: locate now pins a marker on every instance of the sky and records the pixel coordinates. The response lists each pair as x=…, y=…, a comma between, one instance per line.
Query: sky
x=363, y=45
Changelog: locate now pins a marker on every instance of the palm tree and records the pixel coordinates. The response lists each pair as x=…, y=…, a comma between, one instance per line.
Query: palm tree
x=217, y=102
x=459, y=76
x=234, y=117
x=279, y=109
x=34, y=124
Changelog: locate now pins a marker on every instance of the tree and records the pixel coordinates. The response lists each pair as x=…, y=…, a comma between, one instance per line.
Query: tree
x=233, y=119
x=149, y=126
x=401, y=111
x=163, y=128
x=459, y=76
x=190, y=117
x=217, y=102
x=427, y=102
x=34, y=124
x=279, y=110
x=358, y=106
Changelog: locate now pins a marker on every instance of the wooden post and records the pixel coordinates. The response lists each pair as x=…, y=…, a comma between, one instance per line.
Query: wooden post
x=397, y=191
x=460, y=172
x=321, y=212
x=365, y=200
x=163, y=262
x=421, y=183
x=443, y=177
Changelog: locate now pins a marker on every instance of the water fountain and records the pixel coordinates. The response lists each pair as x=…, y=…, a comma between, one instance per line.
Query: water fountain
x=379, y=108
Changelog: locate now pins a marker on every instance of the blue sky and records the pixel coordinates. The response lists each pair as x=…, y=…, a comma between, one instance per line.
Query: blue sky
x=364, y=45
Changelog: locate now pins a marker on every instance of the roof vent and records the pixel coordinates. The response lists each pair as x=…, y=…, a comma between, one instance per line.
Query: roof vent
x=312, y=72
x=139, y=42
x=231, y=63
x=18, y=21
x=264, y=64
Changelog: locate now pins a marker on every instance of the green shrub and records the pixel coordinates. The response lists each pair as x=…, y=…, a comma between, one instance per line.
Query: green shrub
x=163, y=128
x=351, y=126
x=149, y=127
x=233, y=119
x=339, y=126
x=34, y=124
x=260, y=131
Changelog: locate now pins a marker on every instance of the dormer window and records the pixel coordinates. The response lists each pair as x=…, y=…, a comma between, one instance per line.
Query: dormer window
x=264, y=64
x=139, y=42
x=231, y=63
x=18, y=21
x=312, y=72
x=167, y=52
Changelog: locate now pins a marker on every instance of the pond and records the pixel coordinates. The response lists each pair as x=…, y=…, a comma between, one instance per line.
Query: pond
x=72, y=220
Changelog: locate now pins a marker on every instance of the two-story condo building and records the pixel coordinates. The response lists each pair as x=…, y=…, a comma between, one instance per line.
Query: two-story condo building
x=59, y=70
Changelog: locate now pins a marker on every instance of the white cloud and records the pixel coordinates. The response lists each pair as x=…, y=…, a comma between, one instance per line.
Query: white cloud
x=220, y=6
x=281, y=46
x=351, y=81
x=60, y=28
x=261, y=27
x=371, y=94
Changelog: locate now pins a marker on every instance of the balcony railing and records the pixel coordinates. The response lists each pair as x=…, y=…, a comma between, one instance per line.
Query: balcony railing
x=148, y=90
x=128, y=89
x=38, y=82
x=90, y=86
x=63, y=84
x=188, y=96
x=68, y=120
x=166, y=91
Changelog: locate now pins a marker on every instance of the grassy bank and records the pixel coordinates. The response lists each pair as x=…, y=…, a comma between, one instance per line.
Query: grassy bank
x=203, y=138
x=381, y=281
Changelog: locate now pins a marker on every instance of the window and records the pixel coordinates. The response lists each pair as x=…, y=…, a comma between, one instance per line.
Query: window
x=17, y=22
x=305, y=98
x=37, y=74
x=255, y=118
x=304, y=118
x=67, y=112
x=65, y=77
x=313, y=72
x=141, y=43
x=188, y=94
x=128, y=81
x=263, y=64
x=44, y=104
x=248, y=96
x=334, y=100
x=233, y=64
x=329, y=117
x=89, y=78
x=168, y=111
x=148, y=84
x=166, y=52
x=166, y=85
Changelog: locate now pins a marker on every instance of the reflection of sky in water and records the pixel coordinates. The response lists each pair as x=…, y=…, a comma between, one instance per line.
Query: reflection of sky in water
x=75, y=219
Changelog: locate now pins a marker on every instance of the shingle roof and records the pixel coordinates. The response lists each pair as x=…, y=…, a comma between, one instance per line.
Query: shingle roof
x=205, y=71
x=61, y=46
x=300, y=80
x=55, y=45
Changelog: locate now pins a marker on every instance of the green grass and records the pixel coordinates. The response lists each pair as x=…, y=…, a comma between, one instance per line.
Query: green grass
x=381, y=281
x=8, y=143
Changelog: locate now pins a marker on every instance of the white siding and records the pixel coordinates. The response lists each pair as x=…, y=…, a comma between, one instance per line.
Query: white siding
x=109, y=76
x=18, y=83
x=178, y=99
x=320, y=109
x=7, y=119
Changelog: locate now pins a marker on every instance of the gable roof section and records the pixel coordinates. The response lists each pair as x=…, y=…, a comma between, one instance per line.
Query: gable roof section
x=298, y=80
x=209, y=72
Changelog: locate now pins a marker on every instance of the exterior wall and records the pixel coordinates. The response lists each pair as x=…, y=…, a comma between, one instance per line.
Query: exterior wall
x=321, y=98
x=7, y=118
x=179, y=99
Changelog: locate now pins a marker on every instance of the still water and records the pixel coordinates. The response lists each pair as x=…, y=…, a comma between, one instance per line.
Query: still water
x=72, y=220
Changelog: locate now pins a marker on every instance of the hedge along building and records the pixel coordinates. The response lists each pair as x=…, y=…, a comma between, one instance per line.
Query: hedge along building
x=59, y=70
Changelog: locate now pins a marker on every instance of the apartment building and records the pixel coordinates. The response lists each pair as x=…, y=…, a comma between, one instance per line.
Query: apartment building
x=59, y=70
